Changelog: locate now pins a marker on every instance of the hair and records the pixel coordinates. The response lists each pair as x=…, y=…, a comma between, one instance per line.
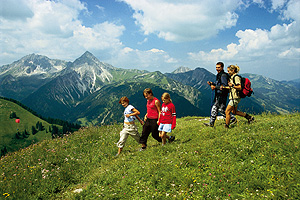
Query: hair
x=166, y=96
x=220, y=63
x=234, y=68
x=148, y=91
x=123, y=99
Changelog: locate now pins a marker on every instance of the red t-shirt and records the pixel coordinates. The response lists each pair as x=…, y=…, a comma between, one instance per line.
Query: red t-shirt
x=168, y=114
x=152, y=112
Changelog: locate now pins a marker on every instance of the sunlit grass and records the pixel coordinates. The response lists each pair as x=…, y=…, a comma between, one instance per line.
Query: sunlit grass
x=257, y=161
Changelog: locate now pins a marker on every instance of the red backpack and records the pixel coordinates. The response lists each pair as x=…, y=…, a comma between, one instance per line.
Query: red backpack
x=246, y=90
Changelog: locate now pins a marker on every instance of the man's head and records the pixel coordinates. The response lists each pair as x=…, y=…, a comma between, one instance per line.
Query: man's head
x=219, y=67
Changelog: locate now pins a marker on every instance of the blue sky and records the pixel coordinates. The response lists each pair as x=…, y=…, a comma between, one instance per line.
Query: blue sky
x=262, y=37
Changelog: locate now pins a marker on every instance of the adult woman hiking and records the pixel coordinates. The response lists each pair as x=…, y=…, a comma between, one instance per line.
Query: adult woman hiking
x=234, y=86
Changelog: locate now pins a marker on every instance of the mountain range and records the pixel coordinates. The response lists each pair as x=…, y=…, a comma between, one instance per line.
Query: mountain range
x=87, y=90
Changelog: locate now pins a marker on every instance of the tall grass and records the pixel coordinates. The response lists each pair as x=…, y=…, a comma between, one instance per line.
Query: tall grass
x=257, y=161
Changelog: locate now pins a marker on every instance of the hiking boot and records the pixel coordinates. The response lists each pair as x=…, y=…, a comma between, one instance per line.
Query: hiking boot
x=208, y=124
x=250, y=120
x=233, y=121
x=172, y=138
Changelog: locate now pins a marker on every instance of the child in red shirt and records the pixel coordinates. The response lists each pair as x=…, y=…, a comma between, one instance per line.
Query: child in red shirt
x=167, y=118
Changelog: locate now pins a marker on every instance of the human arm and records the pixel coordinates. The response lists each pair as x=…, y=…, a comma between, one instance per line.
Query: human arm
x=135, y=112
x=231, y=85
x=173, y=118
x=236, y=83
x=158, y=107
x=141, y=121
x=211, y=84
x=237, y=87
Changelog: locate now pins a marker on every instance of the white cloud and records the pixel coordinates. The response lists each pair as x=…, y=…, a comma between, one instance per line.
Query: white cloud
x=151, y=60
x=15, y=10
x=142, y=42
x=278, y=4
x=289, y=9
x=156, y=51
x=100, y=8
x=292, y=11
x=261, y=48
x=101, y=36
x=292, y=53
x=184, y=20
x=256, y=44
x=251, y=44
x=259, y=2
x=53, y=28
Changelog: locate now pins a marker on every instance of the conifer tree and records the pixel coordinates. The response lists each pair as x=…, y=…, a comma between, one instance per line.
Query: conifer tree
x=12, y=115
x=54, y=132
x=26, y=133
x=34, y=131
x=18, y=135
x=40, y=126
x=65, y=129
x=3, y=151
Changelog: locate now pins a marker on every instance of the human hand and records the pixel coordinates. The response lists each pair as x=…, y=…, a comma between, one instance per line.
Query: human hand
x=141, y=121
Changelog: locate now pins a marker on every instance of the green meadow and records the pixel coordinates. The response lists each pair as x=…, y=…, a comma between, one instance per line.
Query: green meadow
x=256, y=161
x=9, y=127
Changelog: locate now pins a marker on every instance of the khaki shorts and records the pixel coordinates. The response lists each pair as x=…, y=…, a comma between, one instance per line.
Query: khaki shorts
x=234, y=102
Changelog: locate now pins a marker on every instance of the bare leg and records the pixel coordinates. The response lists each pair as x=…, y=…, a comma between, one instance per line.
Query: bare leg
x=163, y=137
x=119, y=151
x=228, y=110
x=234, y=110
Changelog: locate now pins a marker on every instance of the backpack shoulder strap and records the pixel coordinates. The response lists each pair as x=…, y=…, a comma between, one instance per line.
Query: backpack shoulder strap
x=233, y=78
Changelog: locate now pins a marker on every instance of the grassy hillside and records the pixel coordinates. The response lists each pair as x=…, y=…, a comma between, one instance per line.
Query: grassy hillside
x=257, y=161
x=9, y=127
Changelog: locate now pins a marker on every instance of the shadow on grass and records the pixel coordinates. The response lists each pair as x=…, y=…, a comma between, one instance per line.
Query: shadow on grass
x=185, y=141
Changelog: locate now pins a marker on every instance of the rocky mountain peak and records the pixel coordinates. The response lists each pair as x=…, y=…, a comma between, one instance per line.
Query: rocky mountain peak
x=88, y=54
x=181, y=70
x=86, y=59
x=91, y=70
x=33, y=64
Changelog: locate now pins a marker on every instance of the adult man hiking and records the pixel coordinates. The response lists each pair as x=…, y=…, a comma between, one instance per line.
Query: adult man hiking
x=219, y=103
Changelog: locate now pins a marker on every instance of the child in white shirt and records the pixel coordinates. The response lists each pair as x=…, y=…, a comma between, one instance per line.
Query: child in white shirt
x=130, y=128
